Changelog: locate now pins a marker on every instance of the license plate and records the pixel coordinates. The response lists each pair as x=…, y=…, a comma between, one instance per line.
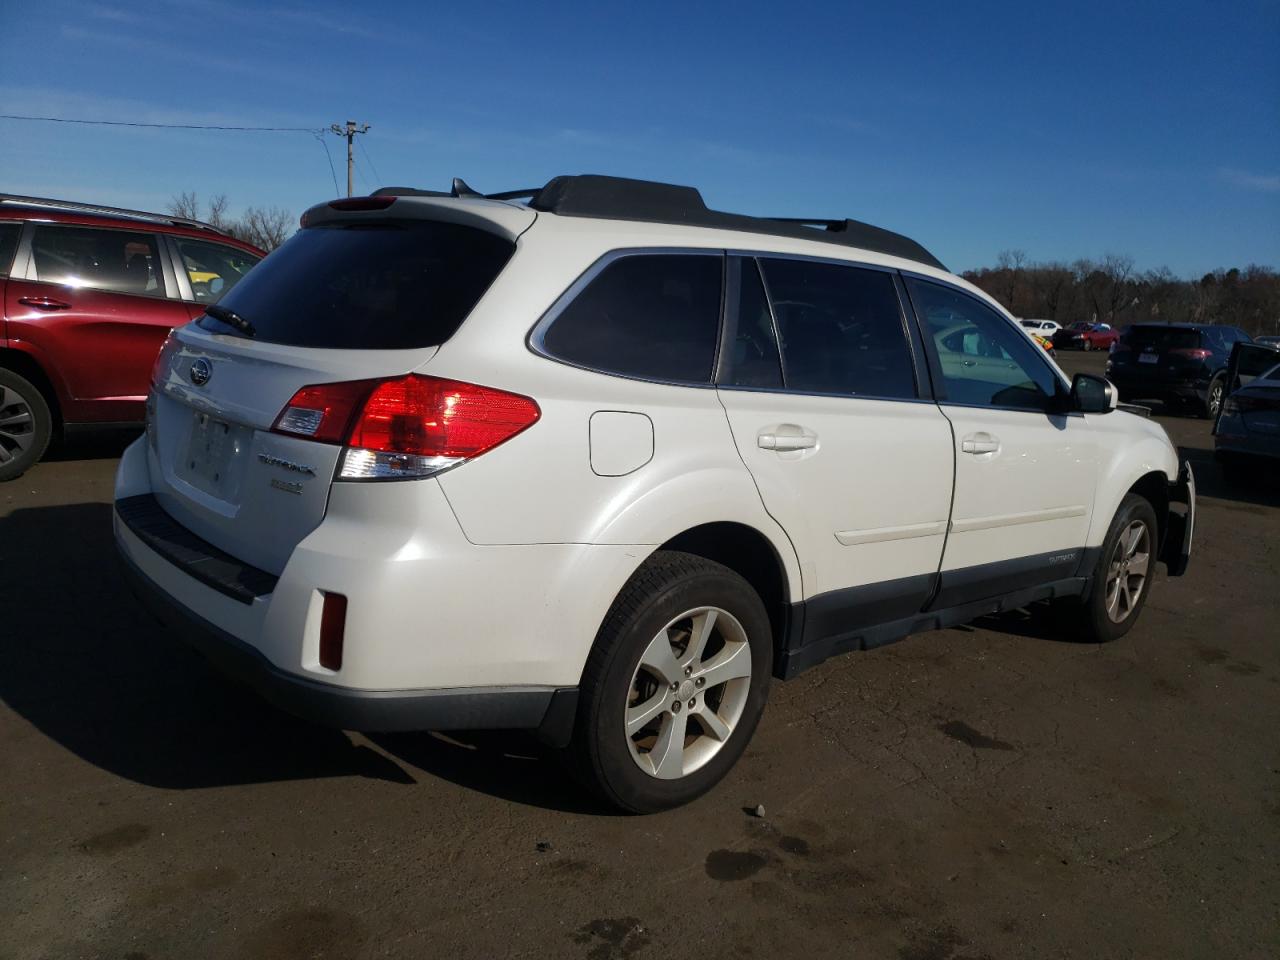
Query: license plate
x=1148, y=358
x=212, y=455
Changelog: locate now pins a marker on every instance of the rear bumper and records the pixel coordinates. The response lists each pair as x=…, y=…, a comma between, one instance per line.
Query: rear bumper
x=470, y=708
x=1166, y=391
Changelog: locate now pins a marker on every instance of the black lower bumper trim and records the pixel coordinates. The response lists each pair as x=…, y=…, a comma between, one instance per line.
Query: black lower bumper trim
x=466, y=708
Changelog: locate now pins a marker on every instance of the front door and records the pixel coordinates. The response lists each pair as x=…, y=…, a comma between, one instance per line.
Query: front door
x=1025, y=475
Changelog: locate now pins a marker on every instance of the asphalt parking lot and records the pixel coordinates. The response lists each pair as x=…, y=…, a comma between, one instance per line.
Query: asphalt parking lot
x=994, y=791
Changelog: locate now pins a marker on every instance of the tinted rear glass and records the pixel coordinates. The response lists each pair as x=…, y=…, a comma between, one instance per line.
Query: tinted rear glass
x=368, y=287
x=9, y=232
x=1162, y=338
x=654, y=316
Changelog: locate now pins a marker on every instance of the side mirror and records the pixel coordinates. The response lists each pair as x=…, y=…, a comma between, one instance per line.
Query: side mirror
x=1090, y=394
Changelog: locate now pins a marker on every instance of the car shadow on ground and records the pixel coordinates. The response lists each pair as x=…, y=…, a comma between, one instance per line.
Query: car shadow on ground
x=88, y=667
x=1260, y=484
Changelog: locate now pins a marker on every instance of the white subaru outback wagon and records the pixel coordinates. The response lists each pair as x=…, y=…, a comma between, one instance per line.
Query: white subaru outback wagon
x=599, y=461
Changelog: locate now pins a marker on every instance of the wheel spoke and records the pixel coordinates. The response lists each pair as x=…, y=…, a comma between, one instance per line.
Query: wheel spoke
x=700, y=630
x=667, y=755
x=711, y=723
x=1138, y=564
x=733, y=661
x=1113, y=597
x=659, y=659
x=15, y=419
x=642, y=713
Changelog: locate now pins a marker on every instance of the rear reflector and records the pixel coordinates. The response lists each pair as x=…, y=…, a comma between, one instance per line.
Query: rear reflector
x=411, y=426
x=333, y=623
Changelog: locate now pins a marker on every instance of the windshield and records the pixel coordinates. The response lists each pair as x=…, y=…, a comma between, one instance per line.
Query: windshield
x=1162, y=338
x=387, y=286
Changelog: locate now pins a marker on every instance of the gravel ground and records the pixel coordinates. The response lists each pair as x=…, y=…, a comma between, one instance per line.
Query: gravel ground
x=992, y=791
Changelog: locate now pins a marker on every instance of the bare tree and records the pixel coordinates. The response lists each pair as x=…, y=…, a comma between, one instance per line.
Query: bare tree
x=185, y=205
x=266, y=227
x=1011, y=261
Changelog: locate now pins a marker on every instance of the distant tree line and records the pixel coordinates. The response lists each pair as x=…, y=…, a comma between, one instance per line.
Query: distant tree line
x=264, y=227
x=1111, y=291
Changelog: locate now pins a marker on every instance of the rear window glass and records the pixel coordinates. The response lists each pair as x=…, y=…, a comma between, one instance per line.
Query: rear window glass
x=368, y=287
x=1162, y=338
x=653, y=316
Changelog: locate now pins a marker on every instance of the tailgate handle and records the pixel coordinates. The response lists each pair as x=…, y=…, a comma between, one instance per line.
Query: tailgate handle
x=44, y=303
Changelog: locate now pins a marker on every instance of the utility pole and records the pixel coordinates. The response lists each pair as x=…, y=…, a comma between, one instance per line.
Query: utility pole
x=349, y=131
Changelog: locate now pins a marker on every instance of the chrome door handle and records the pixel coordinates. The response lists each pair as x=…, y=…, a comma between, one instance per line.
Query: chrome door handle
x=44, y=303
x=786, y=437
x=980, y=443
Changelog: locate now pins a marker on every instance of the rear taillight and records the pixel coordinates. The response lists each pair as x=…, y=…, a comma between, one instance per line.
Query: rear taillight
x=1196, y=353
x=1247, y=403
x=412, y=426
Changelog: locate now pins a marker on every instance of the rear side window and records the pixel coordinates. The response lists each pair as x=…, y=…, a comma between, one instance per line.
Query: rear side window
x=120, y=261
x=213, y=268
x=653, y=316
x=1161, y=338
x=10, y=230
x=841, y=329
x=392, y=286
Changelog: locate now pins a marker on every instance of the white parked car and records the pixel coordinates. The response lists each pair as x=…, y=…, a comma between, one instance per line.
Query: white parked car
x=605, y=462
x=1045, y=328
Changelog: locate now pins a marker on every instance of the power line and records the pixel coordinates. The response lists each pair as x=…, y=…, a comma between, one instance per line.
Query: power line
x=161, y=126
x=319, y=135
x=369, y=160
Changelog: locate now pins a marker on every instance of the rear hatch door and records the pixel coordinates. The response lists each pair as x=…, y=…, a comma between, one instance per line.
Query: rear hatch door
x=354, y=298
x=1159, y=353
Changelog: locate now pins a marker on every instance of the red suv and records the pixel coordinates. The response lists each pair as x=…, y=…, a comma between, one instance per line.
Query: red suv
x=89, y=293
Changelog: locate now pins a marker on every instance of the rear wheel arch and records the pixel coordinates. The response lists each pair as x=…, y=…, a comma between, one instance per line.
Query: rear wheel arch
x=27, y=367
x=750, y=554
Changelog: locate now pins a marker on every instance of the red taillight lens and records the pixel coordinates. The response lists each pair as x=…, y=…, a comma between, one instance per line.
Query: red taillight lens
x=1196, y=353
x=411, y=426
x=323, y=412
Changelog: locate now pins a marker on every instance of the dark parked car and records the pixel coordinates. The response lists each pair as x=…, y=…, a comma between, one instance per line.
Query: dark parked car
x=1246, y=435
x=1178, y=364
x=1083, y=335
x=89, y=293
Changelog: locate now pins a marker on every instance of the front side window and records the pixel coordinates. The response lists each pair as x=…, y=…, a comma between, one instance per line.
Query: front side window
x=213, y=268
x=985, y=361
x=120, y=261
x=841, y=329
x=652, y=316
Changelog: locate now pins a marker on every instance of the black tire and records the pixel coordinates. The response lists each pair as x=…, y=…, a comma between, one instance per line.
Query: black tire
x=1213, y=398
x=25, y=425
x=667, y=585
x=1087, y=345
x=1091, y=623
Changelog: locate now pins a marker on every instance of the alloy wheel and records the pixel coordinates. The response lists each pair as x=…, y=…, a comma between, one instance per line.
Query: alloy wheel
x=1128, y=570
x=17, y=425
x=688, y=692
x=1215, y=397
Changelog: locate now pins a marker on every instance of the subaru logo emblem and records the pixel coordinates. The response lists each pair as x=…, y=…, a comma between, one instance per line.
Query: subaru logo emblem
x=200, y=372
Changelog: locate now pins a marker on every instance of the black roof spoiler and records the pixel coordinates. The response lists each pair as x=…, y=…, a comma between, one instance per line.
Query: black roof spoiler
x=621, y=198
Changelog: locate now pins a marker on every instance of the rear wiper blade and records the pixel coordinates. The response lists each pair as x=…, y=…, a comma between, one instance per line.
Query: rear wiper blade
x=231, y=319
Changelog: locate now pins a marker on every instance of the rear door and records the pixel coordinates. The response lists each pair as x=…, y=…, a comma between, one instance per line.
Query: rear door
x=1024, y=477
x=347, y=301
x=95, y=306
x=851, y=456
x=10, y=232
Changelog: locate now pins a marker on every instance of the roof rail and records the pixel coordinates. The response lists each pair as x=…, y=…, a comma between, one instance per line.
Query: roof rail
x=96, y=208
x=621, y=198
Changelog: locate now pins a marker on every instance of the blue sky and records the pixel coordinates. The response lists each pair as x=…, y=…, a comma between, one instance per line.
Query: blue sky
x=1151, y=129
